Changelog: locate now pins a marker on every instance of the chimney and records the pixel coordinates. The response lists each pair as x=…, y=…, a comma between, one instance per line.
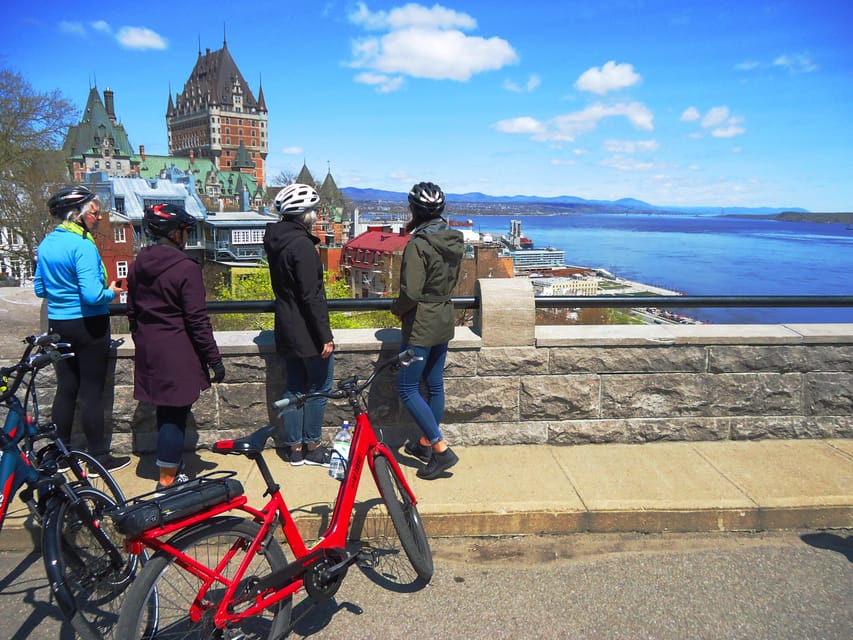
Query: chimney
x=109, y=104
x=142, y=152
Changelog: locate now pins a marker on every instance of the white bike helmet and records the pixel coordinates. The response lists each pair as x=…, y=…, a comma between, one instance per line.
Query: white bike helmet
x=296, y=199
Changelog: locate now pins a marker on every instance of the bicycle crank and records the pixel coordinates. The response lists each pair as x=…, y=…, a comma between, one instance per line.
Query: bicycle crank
x=323, y=578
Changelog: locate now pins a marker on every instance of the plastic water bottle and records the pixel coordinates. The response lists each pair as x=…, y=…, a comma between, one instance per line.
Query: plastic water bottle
x=340, y=452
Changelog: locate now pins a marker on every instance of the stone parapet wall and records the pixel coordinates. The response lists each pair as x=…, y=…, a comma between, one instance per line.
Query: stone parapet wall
x=575, y=384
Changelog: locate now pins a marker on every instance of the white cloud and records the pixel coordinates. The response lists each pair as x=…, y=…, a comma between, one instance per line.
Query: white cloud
x=383, y=83
x=623, y=163
x=718, y=120
x=690, y=114
x=292, y=151
x=102, y=26
x=425, y=42
x=715, y=116
x=796, y=63
x=532, y=84
x=558, y=162
x=140, y=38
x=731, y=129
x=611, y=76
x=630, y=146
x=747, y=65
x=412, y=15
x=74, y=28
x=567, y=127
x=524, y=124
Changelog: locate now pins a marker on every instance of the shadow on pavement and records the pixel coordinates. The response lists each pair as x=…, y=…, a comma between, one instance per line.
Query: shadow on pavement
x=830, y=542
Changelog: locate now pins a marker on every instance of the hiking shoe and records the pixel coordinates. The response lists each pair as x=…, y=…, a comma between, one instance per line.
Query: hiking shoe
x=296, y=459
x=420, y=451
x=438, y=464
x=181, y=478
x=110, y=462
x=319, y=457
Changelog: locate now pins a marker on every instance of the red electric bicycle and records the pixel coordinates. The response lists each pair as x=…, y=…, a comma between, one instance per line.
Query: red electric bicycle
x=218, y=575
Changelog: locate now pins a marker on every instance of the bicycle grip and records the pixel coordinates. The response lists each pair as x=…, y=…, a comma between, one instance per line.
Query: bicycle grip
x=281, y=404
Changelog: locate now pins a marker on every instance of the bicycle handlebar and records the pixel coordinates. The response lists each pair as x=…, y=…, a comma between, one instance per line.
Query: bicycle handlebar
x=349, y=386
x=48, y=345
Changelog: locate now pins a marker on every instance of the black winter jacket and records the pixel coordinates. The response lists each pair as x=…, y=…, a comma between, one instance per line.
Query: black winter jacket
x=301, y=312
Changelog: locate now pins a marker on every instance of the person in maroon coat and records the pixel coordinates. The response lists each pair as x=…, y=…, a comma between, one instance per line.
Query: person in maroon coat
x=167, y=309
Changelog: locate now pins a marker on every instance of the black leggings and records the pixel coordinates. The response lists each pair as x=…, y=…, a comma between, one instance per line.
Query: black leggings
x=81, y=380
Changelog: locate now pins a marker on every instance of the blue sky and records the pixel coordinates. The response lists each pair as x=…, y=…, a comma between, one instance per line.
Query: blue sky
x=725, y=103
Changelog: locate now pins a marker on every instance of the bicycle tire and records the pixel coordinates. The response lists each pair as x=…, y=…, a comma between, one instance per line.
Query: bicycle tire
x=102, y=480
x=405, y=517
x=176, y=589
x=87, y=588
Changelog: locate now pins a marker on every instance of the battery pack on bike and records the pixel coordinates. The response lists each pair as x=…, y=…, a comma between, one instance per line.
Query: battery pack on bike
x=175, y=503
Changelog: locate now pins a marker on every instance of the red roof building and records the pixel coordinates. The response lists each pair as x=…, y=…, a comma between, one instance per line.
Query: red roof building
x=371, y=262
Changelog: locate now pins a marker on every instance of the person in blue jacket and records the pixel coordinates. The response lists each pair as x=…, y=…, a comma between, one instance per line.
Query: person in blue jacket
x=73, y=278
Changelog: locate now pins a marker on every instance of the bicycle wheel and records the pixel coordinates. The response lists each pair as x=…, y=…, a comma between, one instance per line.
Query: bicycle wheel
x=93, y=474
x=404, y=515
x=85, y=582
x=176, y=590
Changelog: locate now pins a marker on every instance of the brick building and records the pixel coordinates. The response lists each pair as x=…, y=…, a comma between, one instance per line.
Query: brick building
x=217, y=117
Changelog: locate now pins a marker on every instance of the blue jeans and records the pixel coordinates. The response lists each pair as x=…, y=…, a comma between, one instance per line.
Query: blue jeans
x=305, y=375
x=171, y=427
x=427, y=415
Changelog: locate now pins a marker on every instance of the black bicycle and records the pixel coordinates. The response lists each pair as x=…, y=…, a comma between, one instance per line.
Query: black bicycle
x=69, y=493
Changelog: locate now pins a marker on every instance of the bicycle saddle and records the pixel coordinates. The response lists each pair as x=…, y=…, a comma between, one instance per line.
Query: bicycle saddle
x=253, y=443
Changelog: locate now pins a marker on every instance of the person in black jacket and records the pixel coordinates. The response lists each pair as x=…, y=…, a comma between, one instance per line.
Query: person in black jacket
x=302, y=334
x=175, y=347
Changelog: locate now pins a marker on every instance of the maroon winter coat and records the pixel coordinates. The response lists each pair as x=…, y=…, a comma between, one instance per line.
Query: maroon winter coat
x=170, y=327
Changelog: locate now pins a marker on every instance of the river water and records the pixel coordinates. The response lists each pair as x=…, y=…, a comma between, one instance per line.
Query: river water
x=706, y=255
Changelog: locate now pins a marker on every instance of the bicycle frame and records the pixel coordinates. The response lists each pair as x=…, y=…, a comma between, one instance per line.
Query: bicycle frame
x=287, y=581
x=15, y=467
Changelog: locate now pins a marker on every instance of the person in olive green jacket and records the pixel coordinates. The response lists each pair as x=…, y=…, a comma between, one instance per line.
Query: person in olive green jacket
x=428, y=274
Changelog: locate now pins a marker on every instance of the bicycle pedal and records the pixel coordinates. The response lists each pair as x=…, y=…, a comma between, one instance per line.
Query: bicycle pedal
x=366, y=558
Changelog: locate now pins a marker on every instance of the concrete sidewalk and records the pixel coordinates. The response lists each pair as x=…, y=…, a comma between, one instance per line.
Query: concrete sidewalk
x=511, y=490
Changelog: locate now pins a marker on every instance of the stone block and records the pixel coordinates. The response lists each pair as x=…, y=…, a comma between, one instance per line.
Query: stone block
x=506, y=316
x=558, y=397
x=511, y=361
x=481, y=399
x=626, y=359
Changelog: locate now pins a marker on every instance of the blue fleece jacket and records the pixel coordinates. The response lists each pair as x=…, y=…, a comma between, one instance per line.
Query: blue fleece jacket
x=70, y=274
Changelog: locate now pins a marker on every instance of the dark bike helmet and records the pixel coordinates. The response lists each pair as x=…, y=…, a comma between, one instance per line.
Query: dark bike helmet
x=296, y=199
x=161, y=220
x=69, y=200
x=426, y=200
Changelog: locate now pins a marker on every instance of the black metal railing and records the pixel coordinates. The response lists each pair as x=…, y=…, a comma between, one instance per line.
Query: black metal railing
x=552, y=302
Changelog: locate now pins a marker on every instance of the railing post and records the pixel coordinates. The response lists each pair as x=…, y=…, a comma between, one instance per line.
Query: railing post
x=506, y=316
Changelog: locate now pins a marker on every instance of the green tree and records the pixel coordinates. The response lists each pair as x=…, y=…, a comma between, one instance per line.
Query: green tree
x=257, y=286
x=32, y=128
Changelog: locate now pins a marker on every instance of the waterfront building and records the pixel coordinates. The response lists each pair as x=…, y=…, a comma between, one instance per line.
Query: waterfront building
x=217, y=117
x=577, y=285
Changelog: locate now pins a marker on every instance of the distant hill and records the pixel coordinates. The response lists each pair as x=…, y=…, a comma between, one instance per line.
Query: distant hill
x=557, y=204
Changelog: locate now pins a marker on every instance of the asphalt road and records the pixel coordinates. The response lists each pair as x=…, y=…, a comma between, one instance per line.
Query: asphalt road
x=761, y=586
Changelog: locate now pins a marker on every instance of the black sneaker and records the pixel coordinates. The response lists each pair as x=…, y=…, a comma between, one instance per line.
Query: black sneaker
x=296, y=459
x=420, y=451
x=319, y=457
x=438, y=464
x=110, y=462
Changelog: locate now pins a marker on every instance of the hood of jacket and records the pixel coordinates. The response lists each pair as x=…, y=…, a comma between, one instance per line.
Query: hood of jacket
x=280, y=234
x=156, y=260
x=443, y=238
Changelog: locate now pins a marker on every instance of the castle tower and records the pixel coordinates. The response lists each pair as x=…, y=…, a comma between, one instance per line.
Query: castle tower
x=218, y=117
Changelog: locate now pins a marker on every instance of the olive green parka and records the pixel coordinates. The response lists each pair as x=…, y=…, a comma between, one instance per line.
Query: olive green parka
x=428, y=274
